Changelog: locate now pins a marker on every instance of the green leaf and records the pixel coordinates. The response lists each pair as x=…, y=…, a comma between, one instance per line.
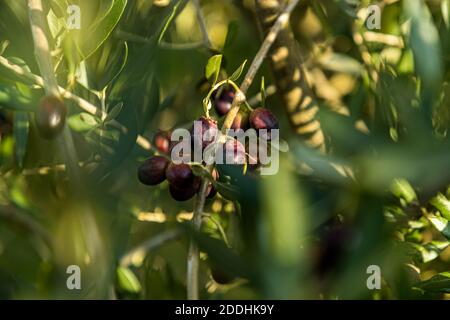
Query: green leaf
x=263, y=92
x=237, y=73
x=102, y=28
x=81, y=122
x=441, y=203
x=21, y=128
x=233, y=28
x=438, y=283
x=401, y=188
x=114, y=112
x=213, y=68
x=441, y=224
x=169, y=21
x=445, y=8
x=227, y=191
x=127, y=280
x=425, y=43
x=113, y=69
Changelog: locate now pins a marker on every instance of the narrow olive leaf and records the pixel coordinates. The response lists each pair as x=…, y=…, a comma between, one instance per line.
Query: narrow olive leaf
x=11, y=99
x=3, y=46
x=114, y=112
x=233, y=28
x=438, y=283
x=213, y=68
x=169, y=21
x=263, y=92
x=425, y=44
x=21, y=128
x=237, y=73
x=167, y=102
x=401, y=188
x=102, y=28
x=445, y=8
x=81, y=122
x=227, y=191
x=441, y=224
x=116, y=68
x=127, y=280
x=89, y=119
x=441, y=203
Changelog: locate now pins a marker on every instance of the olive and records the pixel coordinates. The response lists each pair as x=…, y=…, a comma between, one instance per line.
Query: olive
x=183, y=194
x=180, y=175
x=162, y=141
x=50, y=117
x=204, y=130
x=223, y=100
x=153, y=171
x=262, y=118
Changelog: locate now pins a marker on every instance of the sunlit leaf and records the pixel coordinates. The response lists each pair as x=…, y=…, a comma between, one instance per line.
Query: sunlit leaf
x=127, y=280
x=213, y=68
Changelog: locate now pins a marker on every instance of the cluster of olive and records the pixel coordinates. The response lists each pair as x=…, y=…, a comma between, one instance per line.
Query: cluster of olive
x=183, y=184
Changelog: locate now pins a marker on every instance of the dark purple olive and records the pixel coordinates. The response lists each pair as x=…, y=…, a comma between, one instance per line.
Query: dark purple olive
x=233, y=152
x=262, y=118
x=221, y=276
x=152, y=171
x=223, y=100
x=183, y=194
x=204, y=130
x=182, y=150
x=162, y=141
x=50, y=117
x=180, y=175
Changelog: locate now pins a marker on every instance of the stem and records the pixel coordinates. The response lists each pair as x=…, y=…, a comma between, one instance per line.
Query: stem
x=42, y=46
x=148, y=245
x=193, y=255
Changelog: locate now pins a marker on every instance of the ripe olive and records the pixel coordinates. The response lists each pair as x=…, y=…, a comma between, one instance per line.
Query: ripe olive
x=50, y=116
x=205, y=131
x=152, y=171
x=221, y=276
x=223, y=99
x=262, y=118
x=183, y=194
x=180, y=175
x=162, y=141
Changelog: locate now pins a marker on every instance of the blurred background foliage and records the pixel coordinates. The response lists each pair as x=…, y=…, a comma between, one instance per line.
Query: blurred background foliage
x=385, y=100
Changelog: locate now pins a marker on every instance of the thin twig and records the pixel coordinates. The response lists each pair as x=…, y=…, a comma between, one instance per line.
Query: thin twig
x=202, y=23
x=82, y=103
x=165, y=45
x=152, y=243
x=42, y=47
x=193, y=255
